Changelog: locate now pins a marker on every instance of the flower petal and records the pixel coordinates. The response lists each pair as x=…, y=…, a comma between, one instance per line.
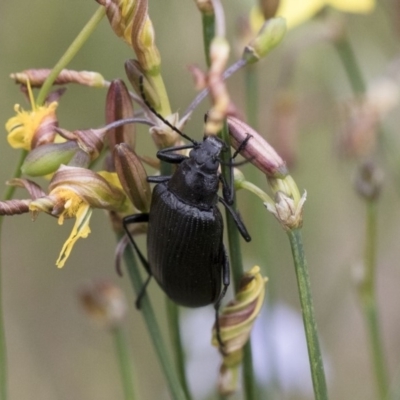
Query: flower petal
x=80, y=230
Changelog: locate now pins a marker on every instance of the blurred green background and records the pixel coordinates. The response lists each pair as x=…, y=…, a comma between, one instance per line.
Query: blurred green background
x=53, y=351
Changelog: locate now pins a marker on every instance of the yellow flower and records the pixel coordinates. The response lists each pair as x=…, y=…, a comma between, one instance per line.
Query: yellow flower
x=296, y=12
x=29, y=129
x=74, y=192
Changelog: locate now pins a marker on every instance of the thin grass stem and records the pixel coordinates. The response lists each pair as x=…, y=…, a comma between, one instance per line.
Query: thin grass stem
x=70, y=53
x=125, y=363
x=175, y=387
x=310, y=325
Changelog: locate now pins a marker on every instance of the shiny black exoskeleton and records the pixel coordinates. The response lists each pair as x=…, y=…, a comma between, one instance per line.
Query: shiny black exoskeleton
x=186, y=254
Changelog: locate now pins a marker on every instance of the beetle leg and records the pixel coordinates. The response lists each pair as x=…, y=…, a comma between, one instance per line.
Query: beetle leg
x=225, y=281
x=236, y=217
x=158, y=178
x=129, y=220
x=227, y=190
x=168, y=156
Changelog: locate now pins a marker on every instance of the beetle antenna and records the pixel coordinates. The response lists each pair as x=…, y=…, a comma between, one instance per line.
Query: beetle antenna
x=158, y=115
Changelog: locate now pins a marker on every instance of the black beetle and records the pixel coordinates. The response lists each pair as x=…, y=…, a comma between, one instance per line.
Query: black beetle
x=186, y=254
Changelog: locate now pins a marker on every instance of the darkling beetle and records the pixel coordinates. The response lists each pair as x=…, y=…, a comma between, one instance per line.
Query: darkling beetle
x=185, y=248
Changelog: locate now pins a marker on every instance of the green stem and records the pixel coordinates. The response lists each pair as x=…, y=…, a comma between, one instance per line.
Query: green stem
x=171, y=376
x=158, y=84
x=3, y=348
x=310, y=326
x=368, y=299
x=349, y=61
x=173, y=323
x=237, y=271
x=125, y=364
x=208, y=21
x=251, y=82
x=70, y=53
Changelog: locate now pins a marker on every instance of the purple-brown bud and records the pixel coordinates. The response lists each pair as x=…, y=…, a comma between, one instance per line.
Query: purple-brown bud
x=119, y=106
x=257, y=150
x=132, y=176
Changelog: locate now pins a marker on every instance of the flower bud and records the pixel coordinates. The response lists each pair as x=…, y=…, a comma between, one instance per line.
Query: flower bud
x=132, y=176
x=119, y=106
x=369, y=180
x=36, y=77
x=257, y=150
x=46, y=159
x=288, y=206
x=269, y=36
x=236, y=321
x=104, y=303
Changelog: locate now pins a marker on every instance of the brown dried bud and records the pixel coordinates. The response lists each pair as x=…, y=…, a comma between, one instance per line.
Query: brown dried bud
x=269, y=7
x=257, y=150
x=119, y=106
x=369, y=180
x=205, y=6
x=132, y=176
x=36, y=77
x=104, y=303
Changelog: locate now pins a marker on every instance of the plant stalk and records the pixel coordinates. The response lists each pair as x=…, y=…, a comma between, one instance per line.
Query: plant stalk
x=70, y=53
x=124, y=362
x=367, y=295
x=171, y=376
x=237, y=271
x=310, y=326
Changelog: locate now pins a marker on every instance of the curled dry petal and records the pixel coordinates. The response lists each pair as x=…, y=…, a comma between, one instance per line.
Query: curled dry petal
x=119, y=106
x=34, y=190
x=236, y=322
x=14, y=207
x=257, y=150
x=132, y=176
x=36, y=77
